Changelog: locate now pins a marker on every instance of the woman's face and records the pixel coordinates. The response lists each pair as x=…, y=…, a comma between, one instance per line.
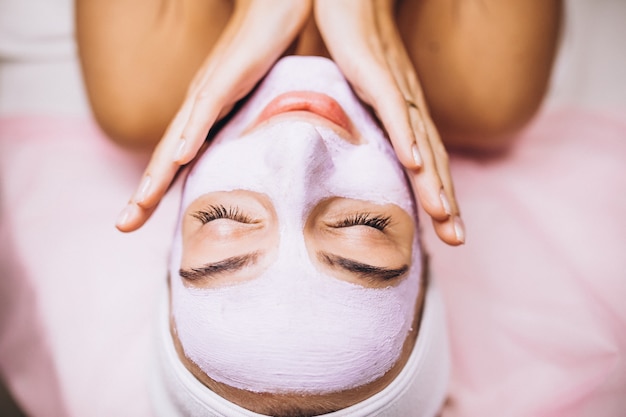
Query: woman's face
x=302, y=171
x=295, y=266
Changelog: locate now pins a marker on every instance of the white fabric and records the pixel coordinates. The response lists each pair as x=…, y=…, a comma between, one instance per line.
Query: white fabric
x=39, y=68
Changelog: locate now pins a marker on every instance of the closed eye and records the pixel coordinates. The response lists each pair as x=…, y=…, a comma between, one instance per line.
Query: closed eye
x=215, y=212
x=366, y=271
x=228, y=265
x=364, y=219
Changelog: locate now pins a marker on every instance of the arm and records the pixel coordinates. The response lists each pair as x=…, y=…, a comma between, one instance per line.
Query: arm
x=127, y=48
x=484, y=65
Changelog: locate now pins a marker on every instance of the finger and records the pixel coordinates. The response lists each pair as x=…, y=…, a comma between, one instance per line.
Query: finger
x=422, y=145
x=402, y=121
x=443, y=165
x=433, y=183
x=408, y=134
x=424, y=129
x=451, y=231
x=162, y=166
x=435, y=177
x=132, y=217
x=429, y=137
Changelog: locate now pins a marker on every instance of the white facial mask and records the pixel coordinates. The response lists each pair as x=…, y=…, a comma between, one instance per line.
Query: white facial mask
x=295, y=328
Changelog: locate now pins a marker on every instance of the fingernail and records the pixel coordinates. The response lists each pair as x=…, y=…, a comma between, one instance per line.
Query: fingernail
x=180, y=150
x=417, y=158
x=142, y=191
x=444, y=202
x=459, y=229
x=124, y=216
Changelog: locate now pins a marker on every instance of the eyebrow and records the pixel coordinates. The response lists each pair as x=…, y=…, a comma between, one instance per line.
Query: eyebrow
x=361, y=269
x=228, y=265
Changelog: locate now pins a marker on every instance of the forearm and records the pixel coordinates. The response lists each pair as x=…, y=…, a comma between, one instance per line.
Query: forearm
x=484, y=65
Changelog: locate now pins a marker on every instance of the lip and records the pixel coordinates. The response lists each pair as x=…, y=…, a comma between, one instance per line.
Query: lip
x=307, y=101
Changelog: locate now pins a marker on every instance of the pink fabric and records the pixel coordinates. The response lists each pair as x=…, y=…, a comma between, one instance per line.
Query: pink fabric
x=537, y=296
x=75, y=334
x=535, y=299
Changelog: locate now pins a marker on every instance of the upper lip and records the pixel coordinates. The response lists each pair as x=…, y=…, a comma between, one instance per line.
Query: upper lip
x=310, y=101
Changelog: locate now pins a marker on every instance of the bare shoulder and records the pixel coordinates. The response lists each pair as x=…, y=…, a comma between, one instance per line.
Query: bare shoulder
x=484, y=65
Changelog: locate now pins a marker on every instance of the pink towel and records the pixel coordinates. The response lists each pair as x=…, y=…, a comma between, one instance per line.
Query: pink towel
x=77, y=340
x=537, y=296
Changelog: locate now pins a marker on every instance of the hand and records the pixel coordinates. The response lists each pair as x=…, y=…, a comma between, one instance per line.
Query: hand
x=256, y=35
x=362, y=38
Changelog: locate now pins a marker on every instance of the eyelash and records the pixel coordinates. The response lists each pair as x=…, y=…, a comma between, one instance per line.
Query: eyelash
x=365, y=219
x=222, y=212
x=233, y=213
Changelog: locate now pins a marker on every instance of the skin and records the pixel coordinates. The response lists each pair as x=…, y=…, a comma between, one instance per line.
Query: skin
x=484, y=65
x=474, y=73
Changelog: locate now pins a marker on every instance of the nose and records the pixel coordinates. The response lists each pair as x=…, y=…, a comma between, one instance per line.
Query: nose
x=301, y=162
